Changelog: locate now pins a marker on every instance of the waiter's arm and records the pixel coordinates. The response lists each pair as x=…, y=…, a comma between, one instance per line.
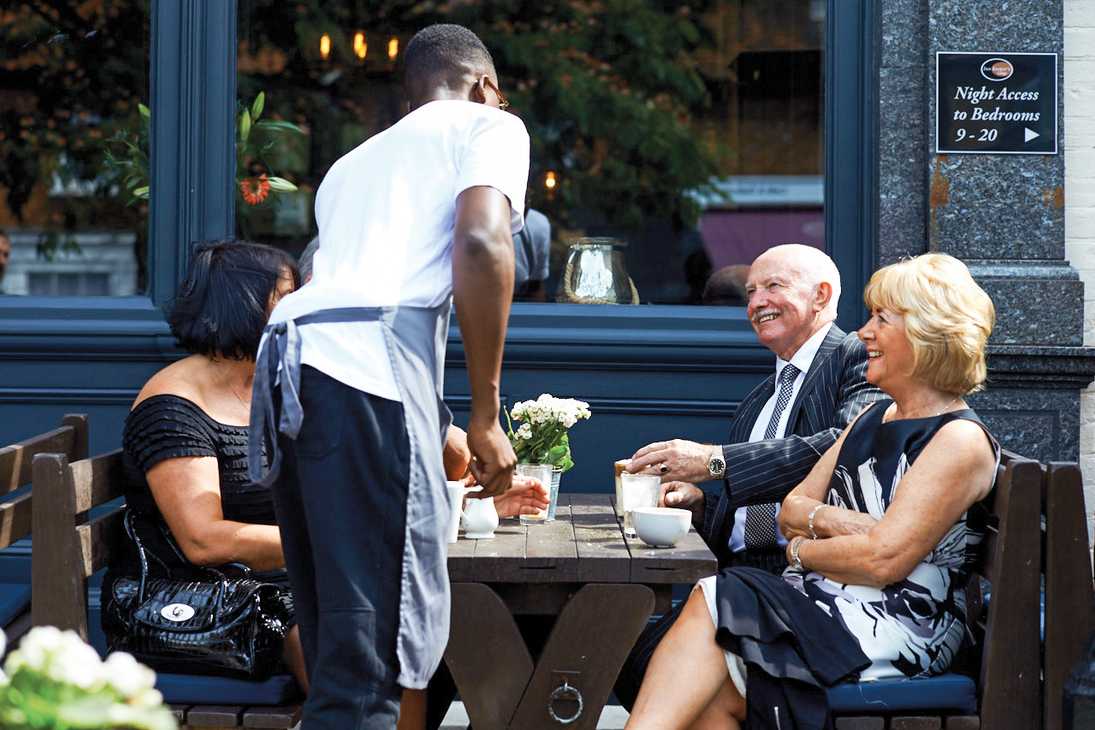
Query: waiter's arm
x=482, y=267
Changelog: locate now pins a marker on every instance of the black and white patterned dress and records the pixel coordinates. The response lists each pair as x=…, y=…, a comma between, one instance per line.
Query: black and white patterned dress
x=914, y=626
x=910, y=628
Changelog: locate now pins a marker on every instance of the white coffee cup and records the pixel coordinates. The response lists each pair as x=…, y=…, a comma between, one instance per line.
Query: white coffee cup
x=456, y=506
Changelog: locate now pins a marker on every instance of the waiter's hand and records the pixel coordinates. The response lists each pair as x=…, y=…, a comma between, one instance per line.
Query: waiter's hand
x=492, y=457
x=457, y=455
x=674, y=461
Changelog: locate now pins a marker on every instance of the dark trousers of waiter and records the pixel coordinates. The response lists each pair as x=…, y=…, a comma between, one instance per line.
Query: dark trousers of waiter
x=341, y=501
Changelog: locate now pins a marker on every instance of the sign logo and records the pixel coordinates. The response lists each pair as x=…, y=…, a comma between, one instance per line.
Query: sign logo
x=997, y=69
x=178, y=612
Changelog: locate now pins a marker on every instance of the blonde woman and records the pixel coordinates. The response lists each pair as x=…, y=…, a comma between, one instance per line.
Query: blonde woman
x=882, y=533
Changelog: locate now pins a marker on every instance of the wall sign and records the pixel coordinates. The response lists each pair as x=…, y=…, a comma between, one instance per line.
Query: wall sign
x=996, y=103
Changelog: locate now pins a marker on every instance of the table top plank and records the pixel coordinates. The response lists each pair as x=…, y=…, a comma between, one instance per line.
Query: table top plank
x=550, y=553
x=686, y=562
x=500, y=558
x=584, y=545
x=603, y=556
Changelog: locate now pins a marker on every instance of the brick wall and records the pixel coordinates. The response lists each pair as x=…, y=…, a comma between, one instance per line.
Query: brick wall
x=1079, y=124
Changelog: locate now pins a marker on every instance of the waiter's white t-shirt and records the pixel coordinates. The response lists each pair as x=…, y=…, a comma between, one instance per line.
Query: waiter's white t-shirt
x=386, y=213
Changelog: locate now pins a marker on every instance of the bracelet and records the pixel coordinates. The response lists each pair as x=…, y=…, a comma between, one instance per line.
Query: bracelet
x=796, y=561
x=810, y=520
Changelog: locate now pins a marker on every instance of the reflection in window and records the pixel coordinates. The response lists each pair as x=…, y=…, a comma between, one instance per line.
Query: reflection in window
x=671, y=142
x=74, y=147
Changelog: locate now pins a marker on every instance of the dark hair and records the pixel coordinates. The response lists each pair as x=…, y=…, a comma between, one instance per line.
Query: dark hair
x=220, y=310
x=443, y=53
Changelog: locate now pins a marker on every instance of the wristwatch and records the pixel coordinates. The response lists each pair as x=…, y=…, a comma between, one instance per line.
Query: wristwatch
x=716, y=465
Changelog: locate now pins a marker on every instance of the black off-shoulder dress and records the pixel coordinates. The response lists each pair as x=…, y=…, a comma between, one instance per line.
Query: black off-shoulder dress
x=167, y=427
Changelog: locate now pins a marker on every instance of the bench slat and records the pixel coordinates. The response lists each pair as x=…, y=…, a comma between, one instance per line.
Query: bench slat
x=274, y=718
x=963, y=722
x=97, y=480
x=15, y=519
x=97, y=540
x=860, y=723
x=213, y=716
x=916, y=723
x=16, y=460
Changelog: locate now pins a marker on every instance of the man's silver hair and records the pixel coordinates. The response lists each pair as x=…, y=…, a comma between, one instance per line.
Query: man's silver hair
x=814, y=267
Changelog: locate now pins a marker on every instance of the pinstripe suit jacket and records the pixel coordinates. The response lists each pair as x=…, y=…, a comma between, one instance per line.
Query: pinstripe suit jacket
x=834, y=392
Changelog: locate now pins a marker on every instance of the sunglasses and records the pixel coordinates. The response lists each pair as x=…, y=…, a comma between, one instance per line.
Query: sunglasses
x=503, y=103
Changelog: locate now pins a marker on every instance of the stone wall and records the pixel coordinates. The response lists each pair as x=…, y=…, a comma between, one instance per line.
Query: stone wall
x=1004, y=215
x=1079, y=151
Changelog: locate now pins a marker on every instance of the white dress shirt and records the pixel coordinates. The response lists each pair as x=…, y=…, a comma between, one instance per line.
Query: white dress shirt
x=802, y=359
x=386, y=212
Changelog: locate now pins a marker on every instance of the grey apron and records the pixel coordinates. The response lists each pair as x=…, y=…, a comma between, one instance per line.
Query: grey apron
x=415, y=339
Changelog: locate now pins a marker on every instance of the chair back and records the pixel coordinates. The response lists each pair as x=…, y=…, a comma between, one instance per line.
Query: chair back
x=1010, y=562
x=15, y=471
x=72, y=542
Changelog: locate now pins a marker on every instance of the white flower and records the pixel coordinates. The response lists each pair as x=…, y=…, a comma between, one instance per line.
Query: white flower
x=127, y=675
x=74, y=662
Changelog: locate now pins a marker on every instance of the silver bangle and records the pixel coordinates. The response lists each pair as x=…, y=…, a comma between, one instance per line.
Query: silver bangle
x=810, y=520
x=796, y=561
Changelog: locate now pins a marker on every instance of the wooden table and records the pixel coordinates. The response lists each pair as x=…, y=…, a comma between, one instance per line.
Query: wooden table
x=601, y=586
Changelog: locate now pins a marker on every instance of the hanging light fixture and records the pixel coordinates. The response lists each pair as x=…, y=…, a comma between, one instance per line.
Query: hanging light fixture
x=550, y=180
x=393, y=48
x=325, y=46
x=361, y=48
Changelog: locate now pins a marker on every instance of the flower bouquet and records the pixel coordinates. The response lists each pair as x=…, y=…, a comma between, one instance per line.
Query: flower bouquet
x=54, y=681
x=542, y=436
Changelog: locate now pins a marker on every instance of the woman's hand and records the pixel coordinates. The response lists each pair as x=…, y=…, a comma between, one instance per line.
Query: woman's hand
x=527, y=496
x=456, y=455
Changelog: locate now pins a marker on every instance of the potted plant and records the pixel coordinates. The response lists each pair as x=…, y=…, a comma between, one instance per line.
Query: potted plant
x=541, y=437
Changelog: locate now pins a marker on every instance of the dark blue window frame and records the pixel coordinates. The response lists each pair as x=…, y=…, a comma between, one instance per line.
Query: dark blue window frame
x=193, y=74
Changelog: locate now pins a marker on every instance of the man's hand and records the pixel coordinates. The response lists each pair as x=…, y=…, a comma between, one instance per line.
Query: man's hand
x=675, y=461
x=527, y=496
x=492, y=457
x=683, y=495
x=456, y=455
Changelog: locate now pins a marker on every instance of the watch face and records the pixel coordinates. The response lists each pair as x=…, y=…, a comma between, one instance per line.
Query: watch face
x=716, y=466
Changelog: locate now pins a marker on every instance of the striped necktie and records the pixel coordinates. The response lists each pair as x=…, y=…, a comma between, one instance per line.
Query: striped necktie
x=760, y=519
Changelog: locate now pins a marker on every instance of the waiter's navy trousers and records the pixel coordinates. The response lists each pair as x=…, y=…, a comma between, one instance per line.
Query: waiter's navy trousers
x=341, y=501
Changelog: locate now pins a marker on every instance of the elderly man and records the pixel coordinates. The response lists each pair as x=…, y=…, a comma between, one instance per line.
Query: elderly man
x=779, y=431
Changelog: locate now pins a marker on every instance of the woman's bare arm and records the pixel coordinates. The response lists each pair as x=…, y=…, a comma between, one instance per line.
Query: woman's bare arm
x=187, y=491
x=954, y=471
x=829, y=521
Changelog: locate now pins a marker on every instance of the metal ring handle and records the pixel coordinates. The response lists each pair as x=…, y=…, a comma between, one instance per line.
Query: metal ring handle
x=560, y=692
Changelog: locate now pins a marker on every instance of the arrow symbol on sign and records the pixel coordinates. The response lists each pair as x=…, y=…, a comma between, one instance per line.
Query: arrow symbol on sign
x=1029, y=134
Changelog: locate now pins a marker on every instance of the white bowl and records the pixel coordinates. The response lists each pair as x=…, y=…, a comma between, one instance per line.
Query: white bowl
x=661, y=526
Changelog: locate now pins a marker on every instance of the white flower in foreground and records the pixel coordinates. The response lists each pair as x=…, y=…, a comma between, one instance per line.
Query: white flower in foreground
x=127, y=675
x=74, y=662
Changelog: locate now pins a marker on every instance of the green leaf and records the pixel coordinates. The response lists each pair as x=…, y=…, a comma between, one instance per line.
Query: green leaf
x=141, y=192
x=281, y=185
x=245, y=126
x=276, y=125
x=145, y=111
x=257, y=106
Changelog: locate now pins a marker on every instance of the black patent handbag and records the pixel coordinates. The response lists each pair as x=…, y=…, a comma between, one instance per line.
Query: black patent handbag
x=218, y=621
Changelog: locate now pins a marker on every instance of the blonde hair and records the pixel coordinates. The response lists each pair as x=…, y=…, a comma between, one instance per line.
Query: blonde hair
x=948, y=318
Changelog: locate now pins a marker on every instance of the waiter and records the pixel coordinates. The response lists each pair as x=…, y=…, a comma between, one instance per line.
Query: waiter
x=347, y=400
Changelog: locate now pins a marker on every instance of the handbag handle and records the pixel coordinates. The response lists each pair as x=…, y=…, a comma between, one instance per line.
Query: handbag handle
x=221, y=578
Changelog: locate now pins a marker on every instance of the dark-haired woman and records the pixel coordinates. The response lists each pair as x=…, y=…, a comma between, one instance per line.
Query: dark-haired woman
x=185, y=439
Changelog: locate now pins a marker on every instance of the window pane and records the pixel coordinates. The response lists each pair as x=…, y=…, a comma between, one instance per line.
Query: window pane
x=685, y=137
x=74, y=147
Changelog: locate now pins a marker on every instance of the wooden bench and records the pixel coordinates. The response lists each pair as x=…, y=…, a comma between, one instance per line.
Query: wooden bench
x=1008, y=665
x=74, y=544
x=1069, y=599
x=15, y=514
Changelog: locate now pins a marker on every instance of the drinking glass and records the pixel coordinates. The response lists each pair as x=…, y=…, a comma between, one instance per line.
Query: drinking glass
x=619, y=467
x=542, y=472
x=639, y=490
